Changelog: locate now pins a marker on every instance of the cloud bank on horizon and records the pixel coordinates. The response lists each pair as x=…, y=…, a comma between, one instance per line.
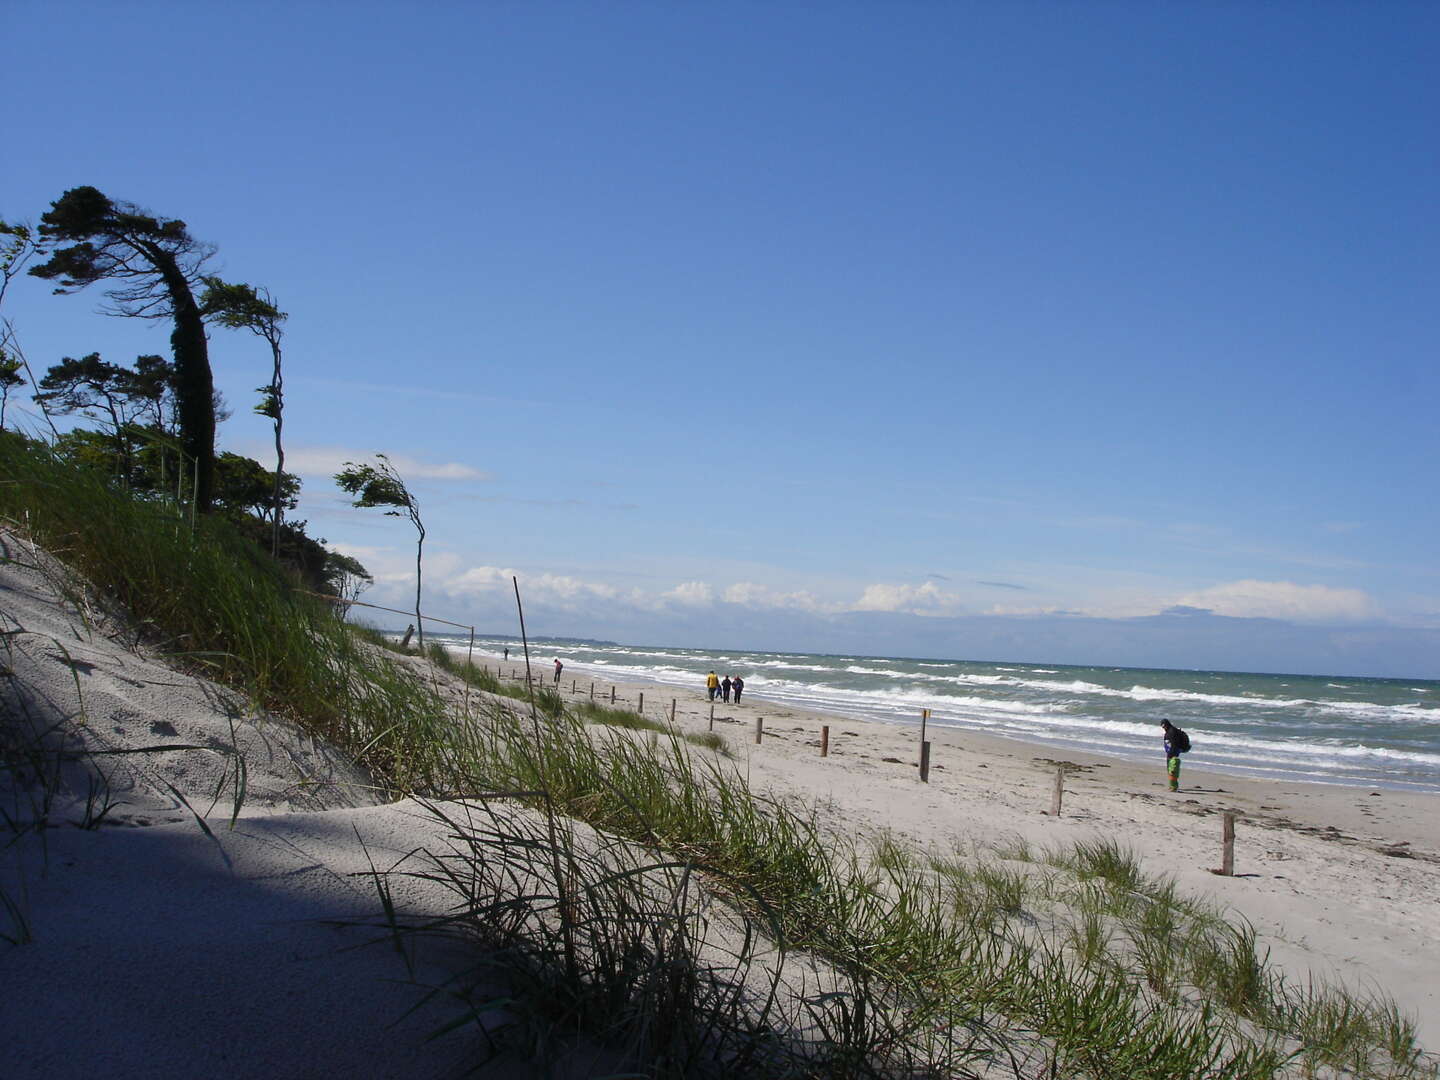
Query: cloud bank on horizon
x=1306, y=628
x=1244, y=624
x=1275, y=600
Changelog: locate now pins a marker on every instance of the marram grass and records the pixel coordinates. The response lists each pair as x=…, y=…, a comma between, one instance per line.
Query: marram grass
x=216, y=603
x=1072, y=964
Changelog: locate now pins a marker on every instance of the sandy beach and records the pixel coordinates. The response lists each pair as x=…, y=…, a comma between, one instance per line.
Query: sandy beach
x=148, y=944
x=1340, y=882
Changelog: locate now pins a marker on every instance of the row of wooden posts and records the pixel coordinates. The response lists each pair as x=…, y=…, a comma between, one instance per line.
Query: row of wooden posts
x=1057, y=795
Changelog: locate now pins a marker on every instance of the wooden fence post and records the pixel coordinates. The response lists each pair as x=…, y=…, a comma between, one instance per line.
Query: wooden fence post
x=925, y=762
x=612, y=695
x=759, y=729
x=712, y=716
x=672, y=710
x=1059, y=792
x=592, y=691
x=1227, y=856
x=825, y=740
x=641, y=709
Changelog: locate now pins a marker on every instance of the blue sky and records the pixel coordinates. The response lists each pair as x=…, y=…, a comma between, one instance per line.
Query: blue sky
x=1008, y=327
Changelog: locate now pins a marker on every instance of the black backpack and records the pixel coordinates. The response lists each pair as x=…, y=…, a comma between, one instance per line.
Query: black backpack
x=1179, y=741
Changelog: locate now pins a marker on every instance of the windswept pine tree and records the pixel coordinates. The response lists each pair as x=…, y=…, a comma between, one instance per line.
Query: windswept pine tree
x=155, y=265
x=243, y=307
x=17, y=247
x=381, y=485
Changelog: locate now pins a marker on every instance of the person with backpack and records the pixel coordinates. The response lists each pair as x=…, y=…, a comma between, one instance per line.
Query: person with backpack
x=1176, y=743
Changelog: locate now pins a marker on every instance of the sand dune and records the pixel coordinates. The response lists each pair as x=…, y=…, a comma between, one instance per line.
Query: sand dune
x=158, y=948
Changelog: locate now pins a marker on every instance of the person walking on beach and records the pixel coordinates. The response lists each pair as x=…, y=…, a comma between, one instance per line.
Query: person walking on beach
x=507, y=652
x=725, y=689
x=1176, y=743
x=736, y=685
x=712, y=685
x=559, y=667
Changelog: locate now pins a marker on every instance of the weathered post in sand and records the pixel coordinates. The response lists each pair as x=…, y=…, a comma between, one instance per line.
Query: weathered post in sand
x=592, y=691
x=572, y=686
x=759, y=729
x=825, y=740
x=1227, y=836
x=672, y=710
x=641, y=709
x=1059, y=792
x=712, y=716
x=924, y=762
x=612, y=695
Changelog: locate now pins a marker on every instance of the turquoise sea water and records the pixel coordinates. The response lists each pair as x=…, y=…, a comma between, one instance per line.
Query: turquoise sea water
x=1372, y=732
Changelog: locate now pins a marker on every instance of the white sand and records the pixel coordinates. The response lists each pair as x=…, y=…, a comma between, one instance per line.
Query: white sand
x=1341, y=882
x=159, y=951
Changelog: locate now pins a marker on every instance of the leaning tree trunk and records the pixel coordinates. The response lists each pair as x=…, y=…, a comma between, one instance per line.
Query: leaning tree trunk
x=194, y=383
x=195, y=396
x=277, y=392
x=419, y=622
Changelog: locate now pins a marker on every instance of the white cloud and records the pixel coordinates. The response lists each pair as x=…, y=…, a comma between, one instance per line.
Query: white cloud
x=326, y=461
x=1284, y=600
x=750, y=595
x=387, y=565
x=691, y=594
x=927, y=599
x=1011, y=609
x=563, y=587
x=550, y=588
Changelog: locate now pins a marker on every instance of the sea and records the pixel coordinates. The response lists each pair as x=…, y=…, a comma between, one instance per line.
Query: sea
x=1376, y=733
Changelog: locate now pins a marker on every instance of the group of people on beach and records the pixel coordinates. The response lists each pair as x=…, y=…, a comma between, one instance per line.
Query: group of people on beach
x=716, y=687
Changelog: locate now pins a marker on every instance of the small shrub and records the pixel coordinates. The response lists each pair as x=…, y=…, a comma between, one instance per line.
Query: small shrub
x=710, y=740
x=592, y=713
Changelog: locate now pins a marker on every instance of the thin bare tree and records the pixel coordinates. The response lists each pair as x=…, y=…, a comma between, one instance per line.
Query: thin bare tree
x=381, y=485
x=244, y=307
